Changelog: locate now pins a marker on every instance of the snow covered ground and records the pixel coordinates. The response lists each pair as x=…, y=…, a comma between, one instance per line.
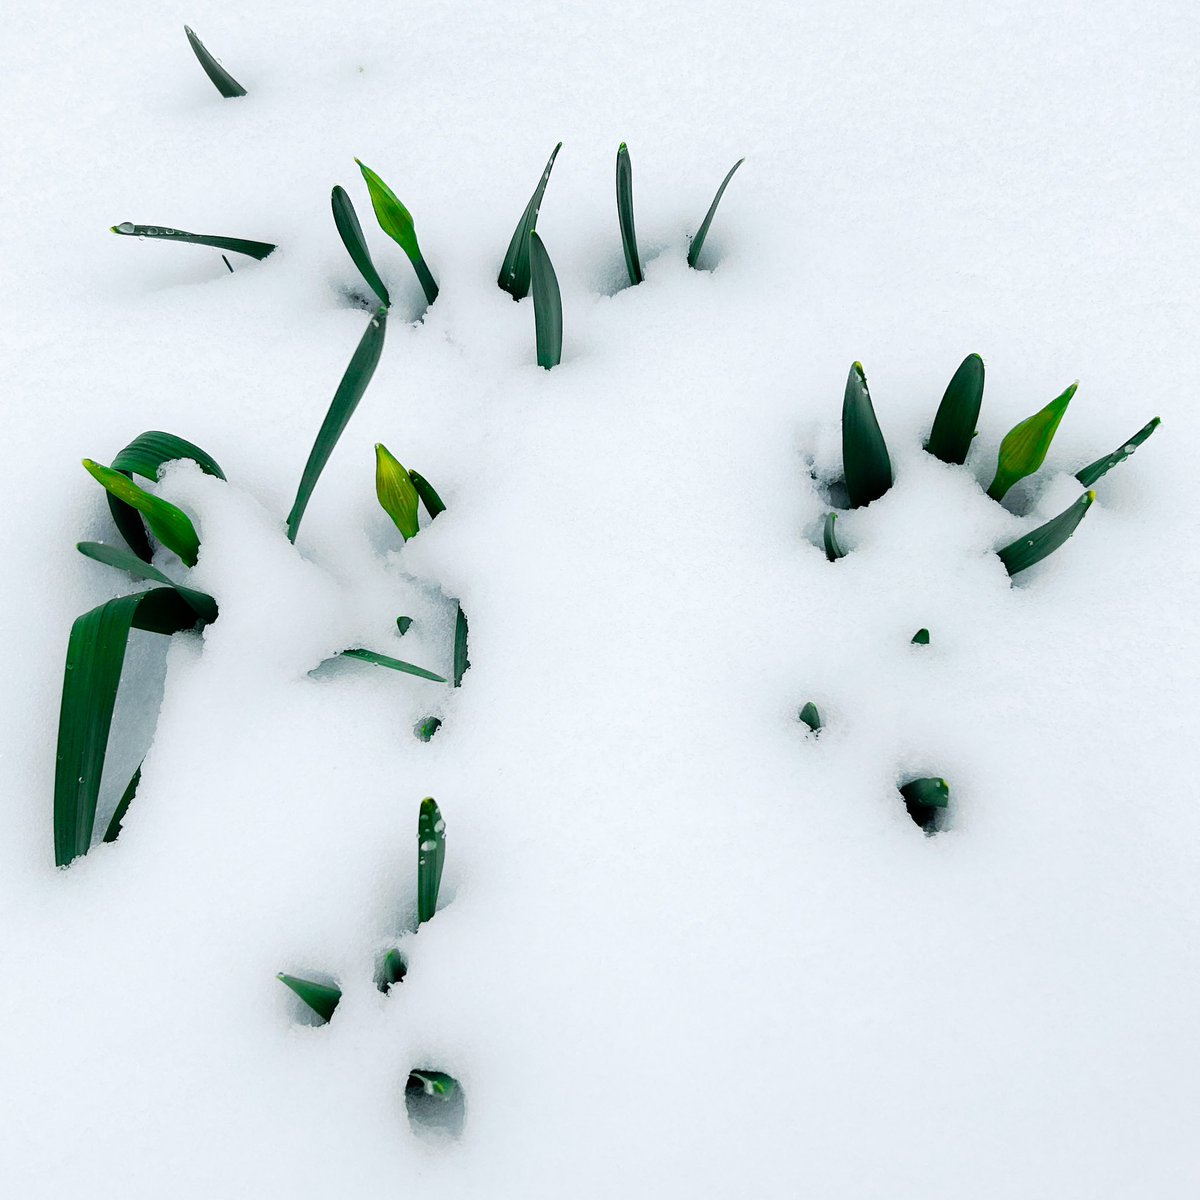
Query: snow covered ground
x=684, y=950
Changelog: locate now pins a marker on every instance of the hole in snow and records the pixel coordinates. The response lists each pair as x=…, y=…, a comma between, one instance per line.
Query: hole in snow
x=927, y=800
x=436, y=1103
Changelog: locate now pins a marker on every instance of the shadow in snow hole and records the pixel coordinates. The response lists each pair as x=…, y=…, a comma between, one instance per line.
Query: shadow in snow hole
x=928, y=803
x=436, y=1103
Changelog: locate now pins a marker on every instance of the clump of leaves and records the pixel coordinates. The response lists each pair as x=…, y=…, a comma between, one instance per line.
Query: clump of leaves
x=431, y=856
x=171, y=525
x=1031, y=548
x=165, y=233
x=515, y=273
x=322, y=998
x=926, y=801
x=958, y=414
x=811, y=717
x=625, y=214
x=396, y=221
x=1101, y=467
x=547, y=304
x=868, y=468
x=1025, y=445
x=697, y=245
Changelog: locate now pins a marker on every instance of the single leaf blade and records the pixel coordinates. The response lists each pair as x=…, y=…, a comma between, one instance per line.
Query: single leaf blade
x=394, y=664
x=957, y=416
x=547, y=305
x=431, y=857
x=926, y=800
x=514, y=276
x=920, y=638
x=221, y=78
x=350, y=231
x=396, y=221
x=320, y=997
x=1094, y=471
x=164, y=233
x=461, y=661
x=697, y=245
x=395, y=492
x=203, y=605
x=625, y=214
x=429, y=497
x=171, y=525
x=833, y=551
x=1025, y=445
x=118, y=818
x=865, y=458
x=1032, y=547
x=811, y=717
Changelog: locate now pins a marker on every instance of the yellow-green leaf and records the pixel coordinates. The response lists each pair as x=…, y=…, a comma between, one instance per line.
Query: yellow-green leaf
x=397, y=496
x=171, y=525
x=1024, y=447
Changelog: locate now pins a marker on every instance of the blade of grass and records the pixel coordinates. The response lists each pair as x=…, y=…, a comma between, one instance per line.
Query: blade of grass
x=95, y=656
x=958, y=414
x=118, y=818
x=625, y=214
x=320, y=997
x=1045, y=539
x=547, y=305
x=430, y=498
x=1102, y=466
x=698, y=241
x=165, y=233
x=396, y=221
x=864, y=452
x=431, y=856
x=345, y=400
x=395, y=492
x=461, y=661
x=1025, y=445
x=221, y=78
x=171, y=525
x=394, y=664
x=833, y=550
x=514, y=271
x=348, y=227
x=203, y=605
x=811, y=717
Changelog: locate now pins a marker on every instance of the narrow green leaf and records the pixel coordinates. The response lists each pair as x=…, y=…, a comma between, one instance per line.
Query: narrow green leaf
x=427, y=727
x=1032, y=547
x=118, y=818
x=547, y=305
x=1102, y=466
x=164, y=233
x=864, y=453
x=925, y=800
x=341, y=409
x=461, y=661
x=95, y=656
x=396, y=221
x=394, y=664
x=432, y=1083
x=171, y=525
x=346, y=220
x=1025, y=445
x=391, y=971
x=514, y=271
x=920, y=638
x=833, y=551
x=625, y=214
x=698, y=241
x=403, y=624
x=203, y=605
x=222, y=80
x=958, y=414
x=431, y=856
x=320, y=997
x=430, y=498
x=811, y=717
x=394, y=489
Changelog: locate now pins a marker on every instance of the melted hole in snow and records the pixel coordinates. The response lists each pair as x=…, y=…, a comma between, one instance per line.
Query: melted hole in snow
x=436, y=1104
x=832, y=491
x=930, y=818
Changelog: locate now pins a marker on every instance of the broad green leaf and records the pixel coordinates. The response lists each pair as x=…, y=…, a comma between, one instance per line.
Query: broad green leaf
x=1032, y=547
x=625, y=214
x=864, y=452
x=427, y=727
x=958, y=414
x=118, y=818
x=920, y=638
x=925, y=799
x=547, y=305
x=95, y=656
x=698, y=241
x=514, y=271
x=171, y=525
x=222, y=80
x=461, y=661
x=833, y=551
x=432, y=1083
x=1025, y=445
x=320, y=997
x=396, y=221
x=165, y=233
x=203, y=605
x=394, y=664
x=431, y=856
x=811, y=717
x=346, y=220
x=341, y=409
x=397, y=496
x=430, y=498
x=1102, y=466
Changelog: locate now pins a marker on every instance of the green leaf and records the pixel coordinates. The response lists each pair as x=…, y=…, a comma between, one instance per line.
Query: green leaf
x=171, y=525
x=320, y=997
x=397, y=496
x=431, y=856
x=391, y=971
x=1024, y=447
x=222, y=80
x=811, y=717
x=394, y=664
x=833, y=551
x=341, y=409
x=396, y=221
x=925, y=800
x=864, y=452
x=346, y=220
x=118, y=818
x=920, y=638
x=547, y=305
x=1102, y=466
x=698, y=241
x=432, y=1083
x=514, y=271
x=95, y=656
x=1032, y=547
x=164, y=233
x=461, y=661
x=625, y=214
x=427, y=727
x=403, y=624
x=203, y=605
x=430, y=498
x=958, y=414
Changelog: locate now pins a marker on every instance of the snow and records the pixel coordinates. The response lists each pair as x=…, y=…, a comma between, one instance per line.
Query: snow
x=684, y=948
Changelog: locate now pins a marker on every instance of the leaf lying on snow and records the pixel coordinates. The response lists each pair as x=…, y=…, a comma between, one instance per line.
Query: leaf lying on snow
x=203, y=605
x=164, y=233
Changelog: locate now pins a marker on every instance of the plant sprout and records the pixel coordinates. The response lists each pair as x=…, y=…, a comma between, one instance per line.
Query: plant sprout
x=164, y=233
x=697, y=245
x=221, y=78
x=1025, y=445
x=625, y=214
x=958, y=414
x=514, y=275
x=864, y=453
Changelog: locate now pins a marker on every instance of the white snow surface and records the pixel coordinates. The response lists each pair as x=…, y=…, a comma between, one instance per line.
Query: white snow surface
x=684, y=949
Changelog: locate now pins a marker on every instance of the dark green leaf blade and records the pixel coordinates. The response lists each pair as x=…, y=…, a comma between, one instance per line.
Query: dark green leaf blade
x=920, y=638
x=1102, y=466
x=864, y=452
x=348, y=227
x=1025, y=445
x=958, y=414
x=431, y=856
x=164, y=233
x=1032, y=547
x=118, y=818
x=221, y=78
x=547, y=305
x=394, y=664
x=203, y=605
x=396, y=221
x=429, y=497
x=811, y=717
x=171, y=525
x=320, y=997
x=698, y=241
x=833, y=551
x=625, y=214
x=514, y=274
x=461, y=661
x=345, y=400
x=926, y=801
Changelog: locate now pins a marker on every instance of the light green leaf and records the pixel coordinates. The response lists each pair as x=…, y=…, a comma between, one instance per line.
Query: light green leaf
x=397, y=496
x=171, y=525
x=1025, y=445
x=396, y=221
